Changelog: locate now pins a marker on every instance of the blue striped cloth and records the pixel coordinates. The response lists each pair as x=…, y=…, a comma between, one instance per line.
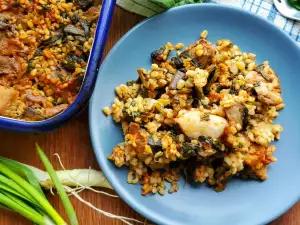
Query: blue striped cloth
x=267, y=9
x=264, y=8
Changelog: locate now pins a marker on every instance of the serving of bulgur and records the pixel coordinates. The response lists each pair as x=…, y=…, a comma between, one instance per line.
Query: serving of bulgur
x=44, y=50
x=206, y=113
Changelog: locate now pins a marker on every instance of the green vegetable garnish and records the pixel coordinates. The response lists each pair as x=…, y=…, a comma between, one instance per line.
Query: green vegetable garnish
x=42, y=209
x=60, y=189
x=173, y=3
x=295, y=3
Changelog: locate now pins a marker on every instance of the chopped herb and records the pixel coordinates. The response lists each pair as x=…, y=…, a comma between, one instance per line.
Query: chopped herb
x=69, y=62
x=130, y=82
x=175, y=129
x=52, y=40
x=46, y=8
x=188, y=150
x=220, y=88
x=205, y=117
x=205, y=139
x=155, y=146
x=240, y=145
x=64, y=15
x=75, y=18
x=233, y=91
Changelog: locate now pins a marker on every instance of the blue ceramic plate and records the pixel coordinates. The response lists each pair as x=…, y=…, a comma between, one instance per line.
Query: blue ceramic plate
x=243, y=202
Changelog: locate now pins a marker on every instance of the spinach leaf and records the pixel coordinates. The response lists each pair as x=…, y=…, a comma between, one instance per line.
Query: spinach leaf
x=295, y=3
x=171, y=3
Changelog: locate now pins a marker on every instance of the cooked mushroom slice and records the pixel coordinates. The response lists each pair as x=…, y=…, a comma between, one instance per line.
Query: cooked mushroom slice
x=155, y=146
x=188, y=150
x=34, y=98
x=85, y=4
x=33, y=114
x=177, y=62
x=239, y=114
x=72, y=30
x=4, y=25
x=196, y=123
x=212, y=78
x=69, y=62
x=158, y=55
x=178, y=75
x=52, y=40
x=261, y=69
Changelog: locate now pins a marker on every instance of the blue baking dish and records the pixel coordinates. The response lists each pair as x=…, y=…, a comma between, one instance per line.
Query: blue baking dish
x=87, y=87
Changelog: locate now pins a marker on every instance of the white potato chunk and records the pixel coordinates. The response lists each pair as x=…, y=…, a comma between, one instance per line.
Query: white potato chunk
x=196, y=123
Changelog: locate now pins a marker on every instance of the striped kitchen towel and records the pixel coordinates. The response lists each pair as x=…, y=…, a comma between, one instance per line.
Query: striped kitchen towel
x=264, y=8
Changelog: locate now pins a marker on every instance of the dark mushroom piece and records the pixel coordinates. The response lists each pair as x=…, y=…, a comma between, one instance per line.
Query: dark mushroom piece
x=155, y=146
x=86, y=27
x=212, y=78
x=261, y=71
x=142, y=75
x=157, y=55
x=69, y=62
x=84, y=4
x=33, y=114
x=72, y=30
x=177, y=62
x=188, y=150
x=52, y=40
x=4, y=25
x=239, y=114
x=75, y=18
x=177, y=76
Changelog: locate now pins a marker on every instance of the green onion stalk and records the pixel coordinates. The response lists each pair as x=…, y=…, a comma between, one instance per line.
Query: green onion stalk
x=21, y=189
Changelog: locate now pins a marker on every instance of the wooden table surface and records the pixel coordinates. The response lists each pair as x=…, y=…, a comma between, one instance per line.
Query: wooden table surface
x=72, y=143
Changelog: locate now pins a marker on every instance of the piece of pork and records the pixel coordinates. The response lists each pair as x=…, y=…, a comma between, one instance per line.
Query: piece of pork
x=209, y=52
x=8, y=65
x=7, y=95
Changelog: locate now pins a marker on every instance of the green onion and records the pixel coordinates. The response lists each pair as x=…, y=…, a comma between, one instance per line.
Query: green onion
x=60, y=189
x=17, y=188
x=33, y=192
x=20, y=209
x=23, y=171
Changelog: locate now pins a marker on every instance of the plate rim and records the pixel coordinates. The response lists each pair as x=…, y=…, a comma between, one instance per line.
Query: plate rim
x=103, y=161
